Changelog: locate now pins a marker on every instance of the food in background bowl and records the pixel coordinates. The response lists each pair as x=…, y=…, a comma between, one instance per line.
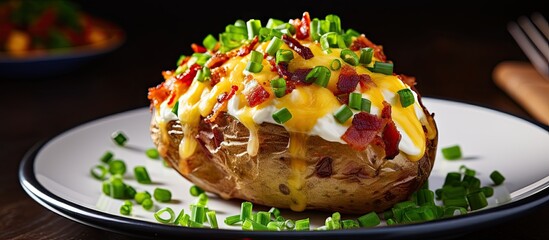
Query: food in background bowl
x=299, y=114
x=33, y=27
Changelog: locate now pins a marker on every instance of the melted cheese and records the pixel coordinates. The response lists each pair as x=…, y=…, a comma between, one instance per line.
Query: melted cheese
x=311, y=106
x=298, y=165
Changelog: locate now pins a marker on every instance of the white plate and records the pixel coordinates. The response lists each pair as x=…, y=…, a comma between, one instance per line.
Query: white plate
x=56, y=174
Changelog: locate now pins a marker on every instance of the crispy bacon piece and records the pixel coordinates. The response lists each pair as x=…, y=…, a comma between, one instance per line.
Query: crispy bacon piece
x=217, y=60
x=348, y=80
x=158, y=94
x=216, y=75
x=302, y=26
x=391, y=136
x=246, y=49
x=198, y=49
x=294, y=44
x=362, y=42
x=182, y=81
x=221, y=104
x=362, y=131
x=410, y=80
x=366, y=82
x=257, y=95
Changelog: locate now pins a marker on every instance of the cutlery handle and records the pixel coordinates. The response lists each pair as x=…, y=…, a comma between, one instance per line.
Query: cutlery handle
x=526, y=86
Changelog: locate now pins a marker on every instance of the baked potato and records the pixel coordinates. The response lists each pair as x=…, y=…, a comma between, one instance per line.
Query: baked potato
x=291, y=118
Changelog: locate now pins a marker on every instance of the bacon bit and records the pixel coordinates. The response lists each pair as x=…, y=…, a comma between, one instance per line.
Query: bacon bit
x=221, y=104
x=182, y=81
x=300, y=74
x=409, y=80
x=198, y=49
x=302, y=26
x=216, y=75
x=362, y=42
x=294, y=44
x=391, y=135
x=158, y=94
x=257, y=95
x=366, y=82
x=348, y=79
x=363, y=130
x=282, y=69
x=343, y=98
x=246, y=49
x=217, y=60
x=391, y=138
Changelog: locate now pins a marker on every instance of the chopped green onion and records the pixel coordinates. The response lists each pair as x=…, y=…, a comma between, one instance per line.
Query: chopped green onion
x=355, y=100
x=106, y=187
x=289, y=224
x=107, y=157
x=212, y=219
x=275, y=226
x=349, y=57
x=195, y=190
x=452, y=178
x=202, y=199
x=275, y=212
x=152, y=153
x=141, y=196
x=365, y=105
x=282, y=115
x=201, y=58
x=406, y=97
x=185, y=220
x=477, y=200
x=249, y=224
x=180, y=59
x=147, y=204
x=179, y=216
x=203, y=74
x=352, y=32
x=328, y=40
x=254, y=67
x=231, y=41
x=246, y=211
x=273, y=46
x=118, y=188
x=366, y=55
x=162, y=195
x=129, y=192
x=232, y=220
x=383, y=67
x=273, y=22
x=198, y=213
x=175, y=108
x=315, y=29
x=279, y=87
x=119, y=138
x=209, y=42
x=126, y=209
x=319, y=75
x=284, y=55
x=425, y=197
x=117, y=167
x=488, y=191
x=456, y=202
x=302, y=224
x=194, y=224
x=390, y=222
x=343, y=114
x=253, y=26
x=99, y=172
x=497, y=177
x=141, y=175
x=335, y=23
x=335, y=65
x=369, y=220
x=449, y=192
x=349, y=224
x=165, y=215
x=451, y=152
x=263, y=217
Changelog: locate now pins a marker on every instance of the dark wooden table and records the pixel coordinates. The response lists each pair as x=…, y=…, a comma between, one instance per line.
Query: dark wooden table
x=451, y=50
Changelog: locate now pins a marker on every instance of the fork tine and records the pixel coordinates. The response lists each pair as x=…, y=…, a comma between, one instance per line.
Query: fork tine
x=536, y=58
x=535, y=35
x=541, y=23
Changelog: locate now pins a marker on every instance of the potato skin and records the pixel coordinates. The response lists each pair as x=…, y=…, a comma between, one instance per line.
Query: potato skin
x=336, y=177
